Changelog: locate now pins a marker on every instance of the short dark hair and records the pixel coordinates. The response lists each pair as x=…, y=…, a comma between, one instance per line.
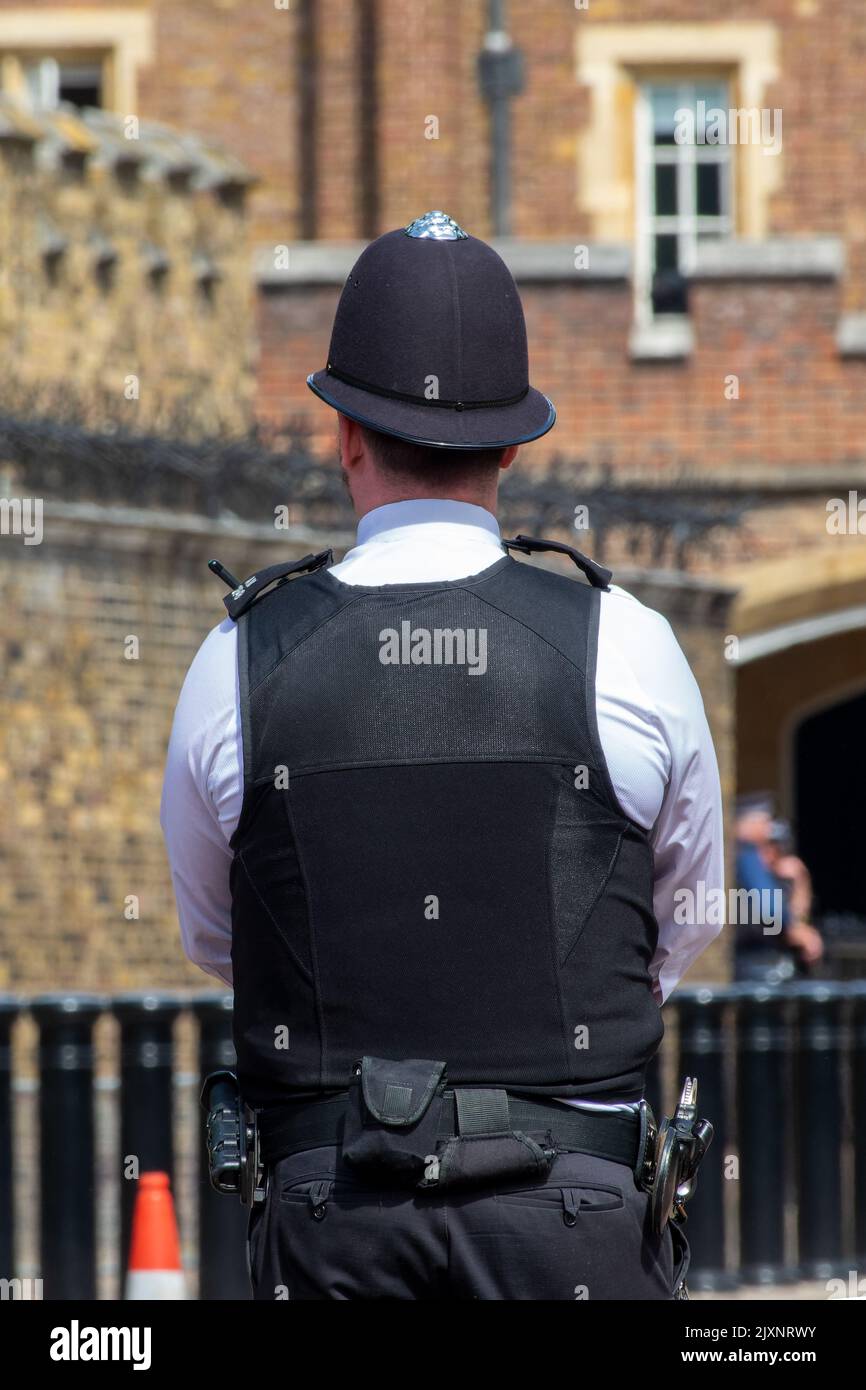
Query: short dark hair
x=421, y=463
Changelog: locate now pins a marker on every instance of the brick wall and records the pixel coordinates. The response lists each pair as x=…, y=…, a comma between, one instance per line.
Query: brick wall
x=83, y=743
x=117, y=340
x=222, y=69
x=801, y=409
x=230, y=70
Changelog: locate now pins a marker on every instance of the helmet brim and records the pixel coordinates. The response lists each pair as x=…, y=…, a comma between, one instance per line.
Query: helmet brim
x=439, y=427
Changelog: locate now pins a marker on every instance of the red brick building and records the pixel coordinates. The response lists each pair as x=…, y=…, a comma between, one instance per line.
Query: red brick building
x=678, y=192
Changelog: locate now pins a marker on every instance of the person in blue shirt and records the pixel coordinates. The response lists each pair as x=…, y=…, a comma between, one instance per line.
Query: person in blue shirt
x=773, y=943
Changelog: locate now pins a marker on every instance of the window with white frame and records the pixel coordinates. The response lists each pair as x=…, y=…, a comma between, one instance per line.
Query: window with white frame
x=684, y=187
x=50, y=81
x=83, y=54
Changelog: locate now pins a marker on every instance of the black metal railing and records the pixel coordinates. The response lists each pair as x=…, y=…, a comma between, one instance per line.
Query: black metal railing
x=782, y=1076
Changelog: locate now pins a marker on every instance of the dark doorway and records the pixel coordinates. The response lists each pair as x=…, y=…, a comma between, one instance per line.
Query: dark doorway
x=830, y=802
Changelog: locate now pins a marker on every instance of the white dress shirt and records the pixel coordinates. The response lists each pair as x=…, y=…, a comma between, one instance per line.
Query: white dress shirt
x=651, y=723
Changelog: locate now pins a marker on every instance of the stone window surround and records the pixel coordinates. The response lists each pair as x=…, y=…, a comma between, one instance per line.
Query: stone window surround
x=611, y=58
x=125, y=36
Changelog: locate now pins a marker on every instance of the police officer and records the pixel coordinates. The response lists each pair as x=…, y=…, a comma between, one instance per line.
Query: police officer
x=427, y=809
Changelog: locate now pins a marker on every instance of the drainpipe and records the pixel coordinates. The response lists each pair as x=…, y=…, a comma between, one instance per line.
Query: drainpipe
x=500, y=77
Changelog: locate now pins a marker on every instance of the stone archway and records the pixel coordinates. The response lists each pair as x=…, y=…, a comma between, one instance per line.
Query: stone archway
x=777, y=600
x=800, y=690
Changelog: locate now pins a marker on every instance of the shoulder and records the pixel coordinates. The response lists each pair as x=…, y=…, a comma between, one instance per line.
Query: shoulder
x=217, y=651
x=210, y=686
x=638, y=639
x=642, y=635
x=622, y=612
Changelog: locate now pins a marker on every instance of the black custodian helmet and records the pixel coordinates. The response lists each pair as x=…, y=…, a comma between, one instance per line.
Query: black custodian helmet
x=429, y=343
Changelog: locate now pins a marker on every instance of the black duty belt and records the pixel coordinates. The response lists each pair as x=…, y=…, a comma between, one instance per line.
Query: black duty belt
x=400, y=1119
x=299, y=1125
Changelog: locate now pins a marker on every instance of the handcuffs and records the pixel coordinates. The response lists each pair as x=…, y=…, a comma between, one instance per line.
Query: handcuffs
x=671, y=1155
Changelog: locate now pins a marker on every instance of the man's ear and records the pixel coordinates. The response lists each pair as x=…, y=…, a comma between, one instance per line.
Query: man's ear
x=342, y=436
x=509, y=456
x=352, y=444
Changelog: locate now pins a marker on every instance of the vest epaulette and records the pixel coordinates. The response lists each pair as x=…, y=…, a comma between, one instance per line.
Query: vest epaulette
x=598, y=576
x=244, y=595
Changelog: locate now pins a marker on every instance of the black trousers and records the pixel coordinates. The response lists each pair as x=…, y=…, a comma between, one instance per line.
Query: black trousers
x=583, y=1235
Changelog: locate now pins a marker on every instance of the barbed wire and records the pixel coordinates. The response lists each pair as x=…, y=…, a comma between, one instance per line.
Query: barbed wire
x=661, y=523
x=49, y=448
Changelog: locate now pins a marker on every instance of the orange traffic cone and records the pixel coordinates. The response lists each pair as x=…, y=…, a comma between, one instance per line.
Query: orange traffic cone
x=154, y=1251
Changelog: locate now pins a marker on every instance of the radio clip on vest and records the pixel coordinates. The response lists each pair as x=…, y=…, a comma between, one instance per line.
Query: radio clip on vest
x=682, y=1143
x=234, y=1162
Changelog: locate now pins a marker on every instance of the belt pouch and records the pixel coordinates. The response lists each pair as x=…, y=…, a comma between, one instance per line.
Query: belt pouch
x=392, y=1118
x=487, y=1150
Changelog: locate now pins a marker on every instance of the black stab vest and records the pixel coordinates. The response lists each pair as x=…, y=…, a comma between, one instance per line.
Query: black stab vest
x=431, y=860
